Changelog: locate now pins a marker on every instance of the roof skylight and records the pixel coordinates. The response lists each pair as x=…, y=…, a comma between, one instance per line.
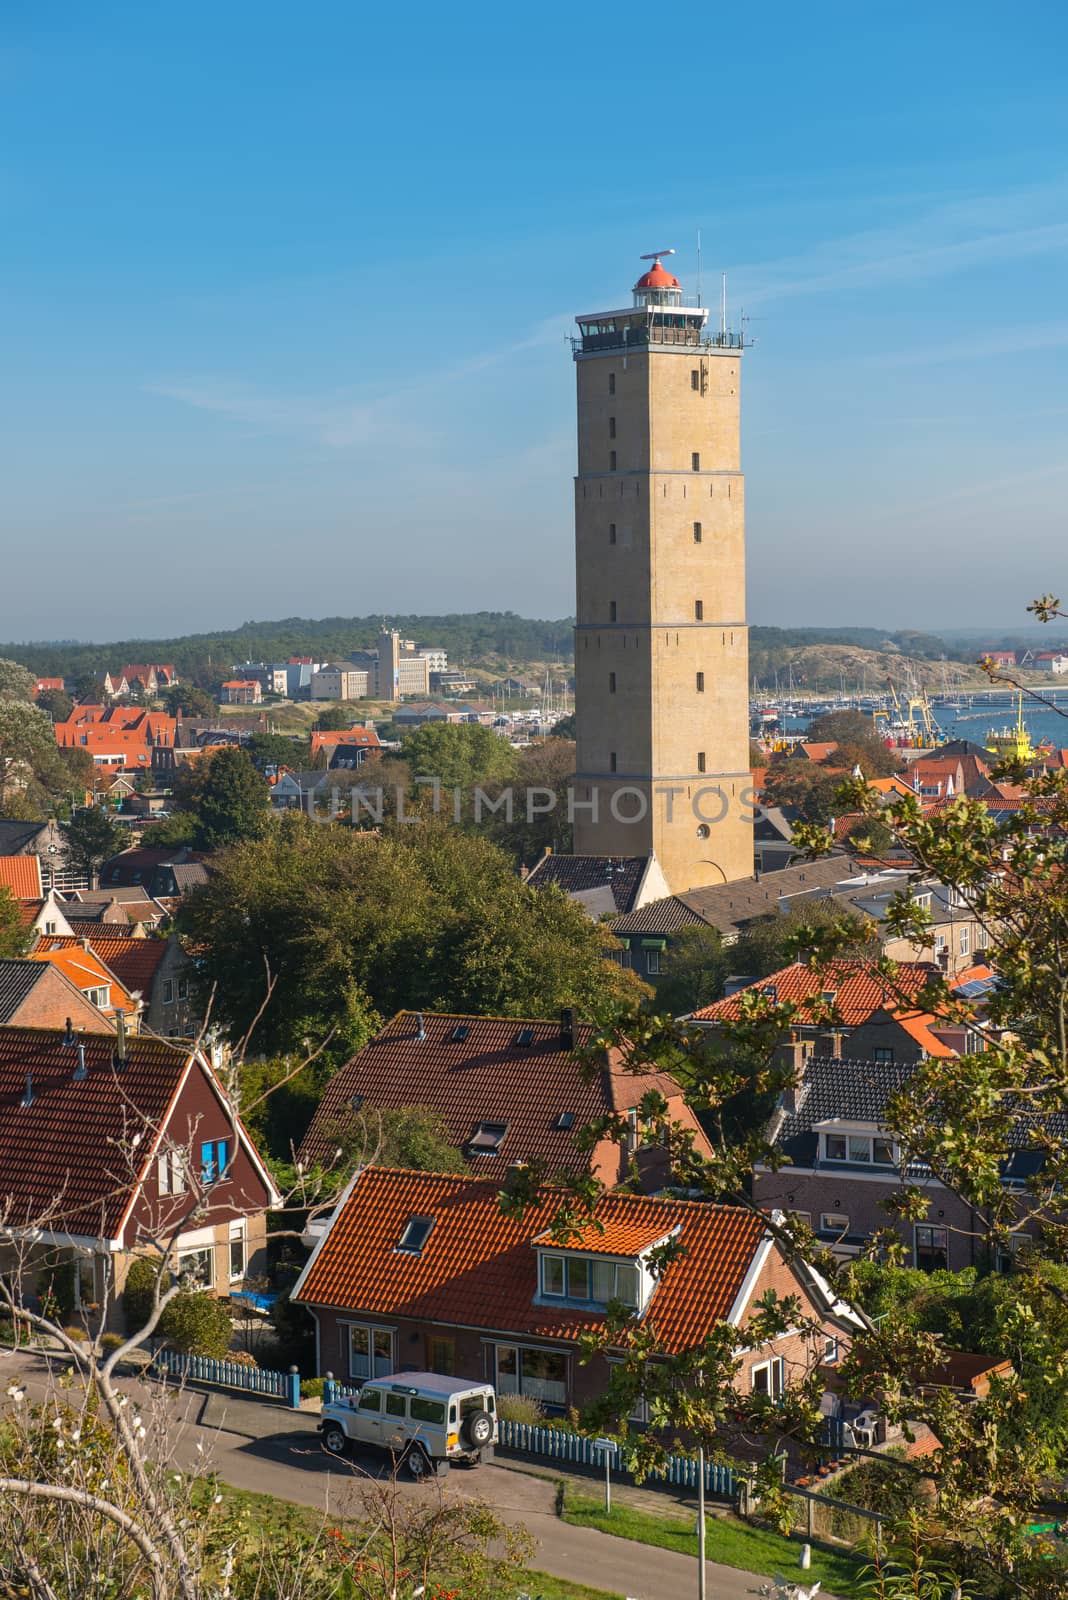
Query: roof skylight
x=417, y=1231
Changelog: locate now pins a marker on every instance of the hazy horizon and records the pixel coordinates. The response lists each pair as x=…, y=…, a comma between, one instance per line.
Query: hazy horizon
x=288, y=300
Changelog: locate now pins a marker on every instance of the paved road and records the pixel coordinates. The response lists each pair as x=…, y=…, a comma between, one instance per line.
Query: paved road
x=263, y=1447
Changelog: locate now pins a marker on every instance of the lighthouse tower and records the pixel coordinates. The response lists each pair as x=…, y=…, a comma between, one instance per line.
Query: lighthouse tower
x=661, y=643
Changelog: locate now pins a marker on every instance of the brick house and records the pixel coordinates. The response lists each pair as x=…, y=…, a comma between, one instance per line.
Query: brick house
x=34, y=995
x=843, y=1163
x=423, y=1271
x=505, y=1088
x=98, y=1138
x=154, y=972
x=241, y=692
x=847, y=1009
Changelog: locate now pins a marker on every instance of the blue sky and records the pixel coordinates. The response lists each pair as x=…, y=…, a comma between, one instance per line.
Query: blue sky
x=286, y=291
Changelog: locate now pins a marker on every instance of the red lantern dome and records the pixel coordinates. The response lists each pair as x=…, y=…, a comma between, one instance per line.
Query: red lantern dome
x=657, y=278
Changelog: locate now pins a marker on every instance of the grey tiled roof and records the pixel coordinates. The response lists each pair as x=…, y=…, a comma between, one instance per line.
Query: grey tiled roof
x=17, y=980
x=729, y=906
x=855, y=1091
x=623, y=874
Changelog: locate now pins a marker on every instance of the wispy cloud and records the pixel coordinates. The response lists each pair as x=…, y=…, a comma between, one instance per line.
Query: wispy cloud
x=337, y=419
x=944, y=240
x=982, y=343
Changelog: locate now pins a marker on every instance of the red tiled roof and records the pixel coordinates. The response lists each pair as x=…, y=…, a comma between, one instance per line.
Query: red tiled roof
x=29, y=911
x=365, y=738
x=134, y=962
x=21, y=875
x=485, y=1077
x=63, y=1150
x=478, y=1267
x=858, y=991
x=622, y=1236
x=85, y=971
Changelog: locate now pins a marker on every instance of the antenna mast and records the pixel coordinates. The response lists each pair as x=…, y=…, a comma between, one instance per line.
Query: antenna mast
x=723, y=306
x=698, y=266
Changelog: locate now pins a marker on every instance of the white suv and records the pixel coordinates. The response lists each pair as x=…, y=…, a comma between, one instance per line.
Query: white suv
x=421, y=1418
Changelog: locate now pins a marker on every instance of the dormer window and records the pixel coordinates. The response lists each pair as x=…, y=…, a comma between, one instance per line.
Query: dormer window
x=487, y=1138
x=590, y=1280
x=859, y=1149
x=417, y=1231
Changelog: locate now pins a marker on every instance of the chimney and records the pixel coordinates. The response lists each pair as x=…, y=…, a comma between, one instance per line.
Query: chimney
x=81, y=1071
x=119, y=1057
x=420, y=1027
x=84, y=943
x=68, y=1036
x=567, y=1029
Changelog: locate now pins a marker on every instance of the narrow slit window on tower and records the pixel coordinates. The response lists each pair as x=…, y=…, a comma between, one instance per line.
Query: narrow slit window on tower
x=611, y=611
x=611, y=461
x=611, y=683
x=611, y=383
x=700, y=683
x=700, y=761
x=697, y=533
x=699, y=610
x=612, y=761
x=611, y=427
x=611, y=533
x=695, y=461
x=695, y=379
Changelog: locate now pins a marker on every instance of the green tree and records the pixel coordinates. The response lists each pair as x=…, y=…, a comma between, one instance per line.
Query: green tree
x=57, y=704
x=89, y=687
x=769, y=943
x=414, y=1137
x=873, y=758
x=197, y=1324
x=544, y=771
x=871, y=836
x=16, y=683
x=336, y=718
x=564, y=729
x=180, y=828
x=229, y=800
x=692, y=971
x=842, y=727
x=189, y=701
x=805, y=785
x=460, y=754
x=277, y=750
x=30, y=764
x=15, y=938
x=92, y=838
x=353, y=926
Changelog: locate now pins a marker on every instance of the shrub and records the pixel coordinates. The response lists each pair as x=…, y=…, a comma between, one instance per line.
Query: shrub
x=138, y=1291
x=55, y=1288
x=521, y=1408
x=241, y=1358
x=110, y=1342
x=79, y=1335
x=311, y=1388
x=197, y=1324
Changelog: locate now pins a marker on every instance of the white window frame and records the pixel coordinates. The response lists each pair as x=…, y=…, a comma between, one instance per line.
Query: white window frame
x=170, y=1172
x=570, y=1262
x=775, y=1368
x=207, y=1251
x=965, y=940
x=851, y=1137
x=168, y=992
x=238, y=1235
x=369, y=1330
x=652, y=963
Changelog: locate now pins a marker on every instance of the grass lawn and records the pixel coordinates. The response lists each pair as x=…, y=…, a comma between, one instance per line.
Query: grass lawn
x=272, y=1516
x=727, y=1540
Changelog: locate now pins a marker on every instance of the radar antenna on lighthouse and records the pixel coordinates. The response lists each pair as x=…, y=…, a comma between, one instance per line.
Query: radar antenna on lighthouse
x=655, y=255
